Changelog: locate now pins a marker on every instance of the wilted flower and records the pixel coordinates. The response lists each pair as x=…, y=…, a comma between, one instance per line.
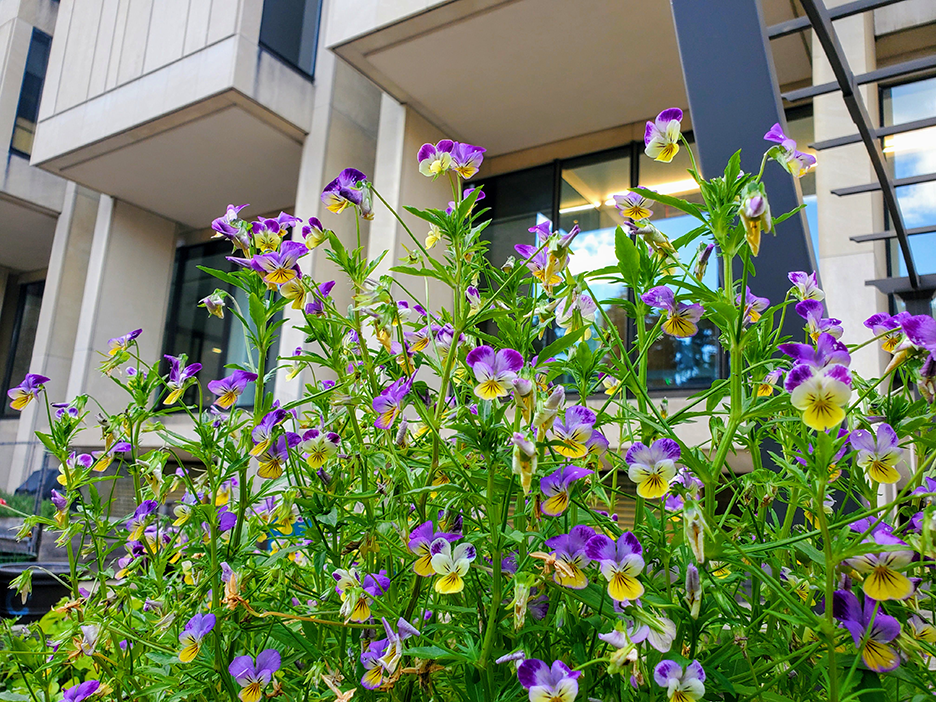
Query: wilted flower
x=661, y=137
x=214, y=303
x=524, y=460
x=693, y=590
x=755, y=214
x=702, y=259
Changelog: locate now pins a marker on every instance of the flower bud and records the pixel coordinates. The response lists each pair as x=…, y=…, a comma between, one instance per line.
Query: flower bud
x=695, y=532
x=755, y=214
x=693, y=590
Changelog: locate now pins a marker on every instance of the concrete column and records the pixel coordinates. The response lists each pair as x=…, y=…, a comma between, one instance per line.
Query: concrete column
x=846, y=265
x=58, y=321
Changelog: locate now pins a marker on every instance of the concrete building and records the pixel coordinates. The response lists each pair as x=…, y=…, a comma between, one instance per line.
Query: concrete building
x=155, y=114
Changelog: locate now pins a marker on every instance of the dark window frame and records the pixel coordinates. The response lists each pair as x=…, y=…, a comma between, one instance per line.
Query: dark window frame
x=279, y=55
x=38, y=37
x=22, y=295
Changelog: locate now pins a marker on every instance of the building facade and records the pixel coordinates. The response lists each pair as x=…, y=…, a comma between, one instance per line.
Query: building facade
x=155, y=114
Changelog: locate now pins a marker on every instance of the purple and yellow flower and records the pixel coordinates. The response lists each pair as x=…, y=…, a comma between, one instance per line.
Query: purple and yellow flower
x=550, y=256
x=137, y=523
x=883, y=579
x=278, y=267
x=821, y=397
x=191, y=637
x=230, y=388
x=262, y=434
x=466, y=159
x=356, y=595
x=555, y=489
x=878, y=455
x=806, y=286
x=214, y=303
x=922, y=630
x=680, y=685
x=314, y=233
x=388, y=404
x=273, y=460
x=119, y=344
x=633, y=205
x=494, y=371
x=795, y=162
x=254, y=677
x=661, y=137
x=755, y=214
x=451, y=564
x=771, y=380
x=681, y=319
x=435, y=159
x=544, y=683
x=827, y=352
x=754, y=306
x=620, y=564
x=574, y=432
x=702, y=259
x=569, y=552
x=344, y=191
x=816, y=324
x=319, y=446
x=870, y=628
x=179, y=375
x=26, y=392
x=81, y=692
x=652, y=468
x=577, y=311
x=382, y=656
x=420, y=542
x=891, y=326
x=75, y=461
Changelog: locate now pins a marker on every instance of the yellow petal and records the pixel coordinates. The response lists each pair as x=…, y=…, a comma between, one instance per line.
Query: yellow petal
x=653, y=487
x=623, y=587
x=189, y=650
x=887, y=584
x=449, y=584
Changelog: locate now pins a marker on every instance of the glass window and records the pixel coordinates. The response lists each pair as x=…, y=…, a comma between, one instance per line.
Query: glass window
x=191, y=330
x=800, y=128
x=289, y=29
x=28, y=304
x=913, y=153
x=27, y=111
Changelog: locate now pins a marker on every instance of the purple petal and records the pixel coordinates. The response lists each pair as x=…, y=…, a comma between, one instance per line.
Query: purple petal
x=665, y=448
x=268, y=659
x=666, y=670
x=533, y=672
x=600, y=548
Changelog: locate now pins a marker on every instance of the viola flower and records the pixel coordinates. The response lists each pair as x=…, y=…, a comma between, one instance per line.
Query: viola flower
x=230, y=388
x=344, y=191
x=191, y=637
x=621, y=563
x=796, y=163
x=806, y=286
x=546, y=415
x=883, y=579
x=262, y=434
x=495, y=372
x=253, y=678
x=681, y=319
x=816, y=324
x=755, y=214
x=680, y=685
x=827, y=352
x=574, y=432
x=693, y=590
x=550, y=256
x=278, y=267
x=434, y=236
x=766, y=387
x=26, y=392
x=356, y=594
x=81, y=692
x=137, y=523
x=878, y=455
x=74, y=462
x=451, y=564
x=652, y=469
x=179, y=375
x=633, y=205
x=319, y=446
x=661, y=137
x=420, y=541
x=871, y=632
x=891, y=326
x=473, y=297
x=524, y=460
x=548, y=684
x=575, y=312
x=821, y=398
x=754, y=306
x=388, y=404
x=571, y=557
x=435, y=159
x=274, y=459
x=314, y=233
x=705, y=252
x=555, y=488
x=119, y=344
x=466, y=159
x=90, y=634
x=382, y=657
x=452, y=204
x=214, y=303
x=922, y=630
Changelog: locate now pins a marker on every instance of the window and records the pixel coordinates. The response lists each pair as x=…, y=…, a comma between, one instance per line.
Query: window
x=23, y=337
x=191, y=330
x=27, y=111
x=800, y=128
x=289, y=29
x=910, y=154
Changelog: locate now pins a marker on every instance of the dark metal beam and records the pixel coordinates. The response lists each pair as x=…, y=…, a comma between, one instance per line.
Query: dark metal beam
x=847, y=10
x=902, y=286
x=879, y=133
x=821, y=23
x=926, y=63
x=898, y=183
x=734, y=99
x=884, y=236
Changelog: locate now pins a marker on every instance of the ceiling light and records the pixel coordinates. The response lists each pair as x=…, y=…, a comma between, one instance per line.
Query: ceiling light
x=215, y=349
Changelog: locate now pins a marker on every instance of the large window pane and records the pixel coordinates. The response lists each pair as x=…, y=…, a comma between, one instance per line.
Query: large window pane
x=28, y=304
x=27, y=111
x=289, y=29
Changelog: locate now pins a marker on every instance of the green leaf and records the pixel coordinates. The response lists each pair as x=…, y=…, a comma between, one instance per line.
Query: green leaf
x=228, y=278
x=628, y=257
x=680, y=204
x=13, y=697
x=560, y=345
x=733, y=169
x=423, y=272
x=787, y=215
x=433, y=653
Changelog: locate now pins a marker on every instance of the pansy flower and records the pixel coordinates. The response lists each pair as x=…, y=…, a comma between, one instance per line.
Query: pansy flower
x=545, y=683
x=569, y=552
x=574, y=432
x=577, y=311
x=75, y=461
x=871, y=632
x=883, y=579
x=555, y=488
x=344, y=191
x=26, y=392
x=878, y=455
x=754, y=306
x=771, y=380
x=922, y=630
x=81, y=692
x=278, y=267
x=652, y=468
x=314, y=233
x=262, y=434
x=661, y=137
x=822, y=398
x=633, y=205
x=827, y=352
x=254, y=677
x=214, y=303
x=620, y=563
x=388, y=404
x=120, y=344
x=137, y=523
x=274, y=458
x=451, y=564
x=806, y=286
x=420, y=541
x=466, y=159
x=795, y=162
x=816, y=324
x=356, y=594
x=891, y=326
x=319, y=446
x=179, y=375
x=435, y=159
x=681, y=319
x=382, y=656
x=495, y=372
x=681, y=685
x=191, y=637
x=230, y=388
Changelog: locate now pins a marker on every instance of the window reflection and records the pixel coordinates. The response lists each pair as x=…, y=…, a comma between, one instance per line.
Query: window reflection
x=27, y=110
